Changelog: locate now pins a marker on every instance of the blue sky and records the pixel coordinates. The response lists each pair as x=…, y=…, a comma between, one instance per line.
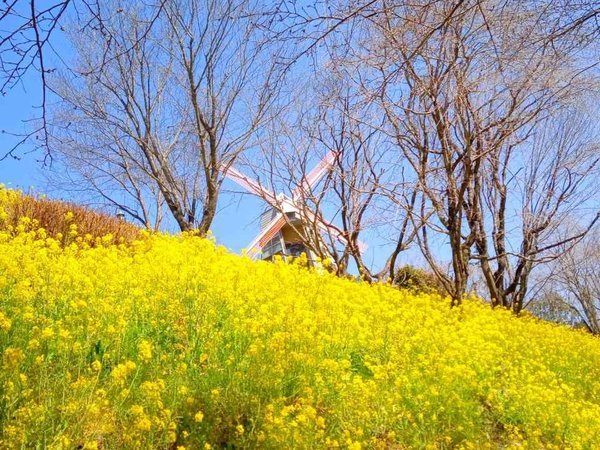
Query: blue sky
x=16, y=107
x=235, y=224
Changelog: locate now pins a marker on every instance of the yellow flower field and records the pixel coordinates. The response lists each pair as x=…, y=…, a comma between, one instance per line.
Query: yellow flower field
x=171, y=342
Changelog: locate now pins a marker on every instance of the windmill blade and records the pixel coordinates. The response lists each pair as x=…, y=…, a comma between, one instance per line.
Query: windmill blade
x=251, y=185
x=266, y=234
x=334, y=231
x=315, y=175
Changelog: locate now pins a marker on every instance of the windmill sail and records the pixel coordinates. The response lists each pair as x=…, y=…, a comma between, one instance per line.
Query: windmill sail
x=270, y=241
x=315, y=175
x=266, y=234
x=251, y=185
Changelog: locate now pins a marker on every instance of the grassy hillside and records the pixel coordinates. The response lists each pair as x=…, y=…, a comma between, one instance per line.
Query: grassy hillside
x=171, y=342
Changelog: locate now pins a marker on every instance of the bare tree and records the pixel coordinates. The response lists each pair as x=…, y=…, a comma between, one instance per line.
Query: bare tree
x=575, y=277
x=313, y=158
x=550, y=305
x=27, y=30
x=468, y=89
x=334, y=127
x=544, y=184
x=458, y=106
x=23, y=46
x=465, y=87
x=159, y=115
x=350, y=191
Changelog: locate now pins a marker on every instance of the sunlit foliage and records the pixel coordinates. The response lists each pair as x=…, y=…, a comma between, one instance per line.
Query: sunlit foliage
x=172, y=342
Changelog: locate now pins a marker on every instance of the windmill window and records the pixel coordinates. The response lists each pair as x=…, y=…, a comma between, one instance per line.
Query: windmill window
x=295, y=249
x=272, y=247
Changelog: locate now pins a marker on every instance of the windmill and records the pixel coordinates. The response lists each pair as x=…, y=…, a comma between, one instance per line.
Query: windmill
x=281, y=224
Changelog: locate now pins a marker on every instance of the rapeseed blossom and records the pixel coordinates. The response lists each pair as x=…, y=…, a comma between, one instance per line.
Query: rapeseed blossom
x=172, y=342
x=145, y=350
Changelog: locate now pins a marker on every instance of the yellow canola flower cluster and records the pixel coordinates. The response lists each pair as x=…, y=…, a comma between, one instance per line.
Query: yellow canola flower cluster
x=172, y=342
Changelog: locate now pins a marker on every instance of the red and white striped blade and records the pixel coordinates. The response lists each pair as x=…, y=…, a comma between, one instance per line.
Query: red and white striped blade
x=266, y=234
x=251, y=185
x=315, y=175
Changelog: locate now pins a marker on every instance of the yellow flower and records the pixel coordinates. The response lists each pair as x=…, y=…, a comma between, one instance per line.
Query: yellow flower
x=183, y=390
x=12, y=357
x=47, y=333
x=5, y=322
x=344, y=364
x=145, y=350
x=137, y=410
x=73, y=230
x=122, y=371
x=152, y=390
x=143, y=424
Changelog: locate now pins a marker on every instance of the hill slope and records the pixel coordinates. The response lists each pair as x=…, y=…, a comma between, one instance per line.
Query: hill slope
x=171, y=342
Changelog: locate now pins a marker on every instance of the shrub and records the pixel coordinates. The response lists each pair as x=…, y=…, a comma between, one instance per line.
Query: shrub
x=418, y=280
x=62, y=220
